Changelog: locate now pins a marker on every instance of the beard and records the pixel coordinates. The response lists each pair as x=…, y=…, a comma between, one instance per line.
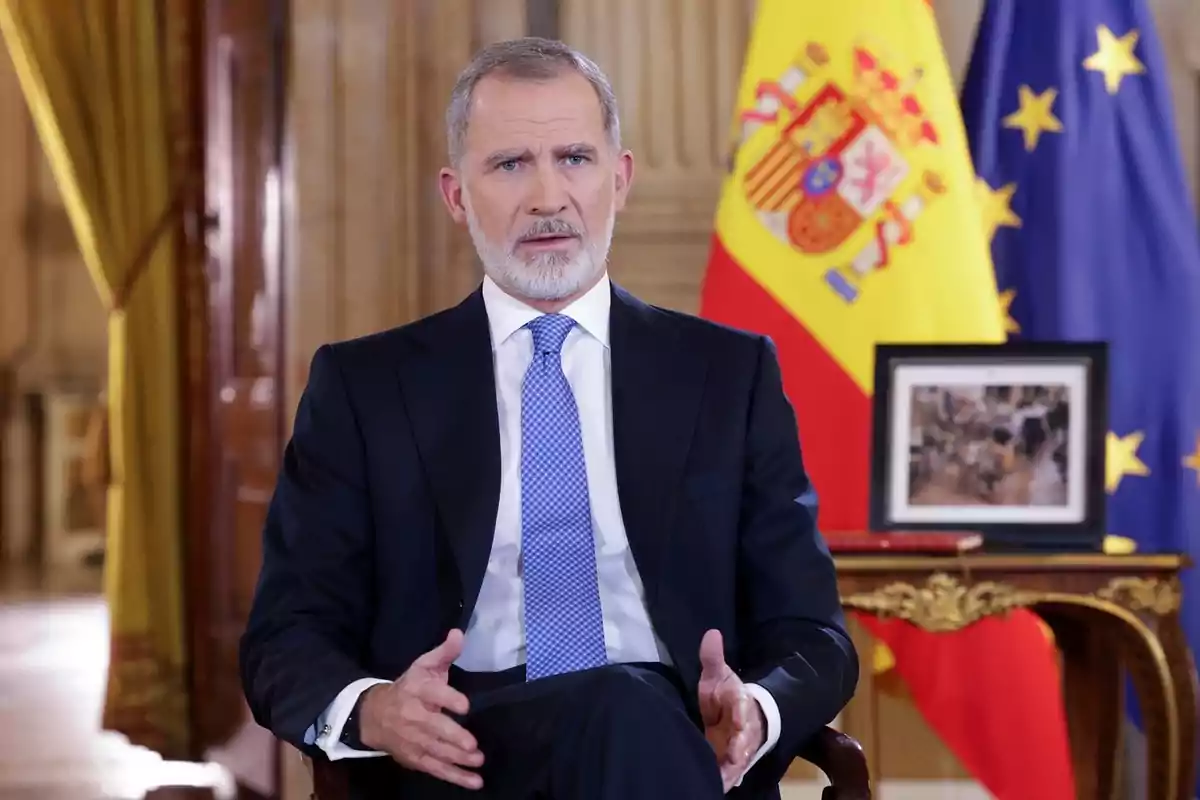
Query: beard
x=543, y=276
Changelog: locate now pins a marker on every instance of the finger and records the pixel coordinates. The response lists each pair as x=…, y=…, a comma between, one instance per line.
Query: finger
x=729, y=776
x=712, y=654
x=738, y=750
x=710, y=708
x=440, y=695
x=439, y=726
x=741, y=709
x=732, y=768
x=422, y=726
x=451, y=754
x=719, y=706
x=419, y=743
x=442, y=656
x=718, y=740
x=449, y=773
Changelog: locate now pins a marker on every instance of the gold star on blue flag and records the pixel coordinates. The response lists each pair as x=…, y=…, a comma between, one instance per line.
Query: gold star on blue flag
x=1107, y=247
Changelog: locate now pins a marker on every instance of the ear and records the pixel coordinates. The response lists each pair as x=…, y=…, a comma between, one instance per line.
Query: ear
x=624, y=178
x=452, y=194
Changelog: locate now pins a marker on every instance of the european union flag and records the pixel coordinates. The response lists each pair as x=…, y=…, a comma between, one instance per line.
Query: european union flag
x=1094, y=236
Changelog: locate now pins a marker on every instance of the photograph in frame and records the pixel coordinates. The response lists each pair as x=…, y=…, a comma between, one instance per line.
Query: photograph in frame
x=997, y=438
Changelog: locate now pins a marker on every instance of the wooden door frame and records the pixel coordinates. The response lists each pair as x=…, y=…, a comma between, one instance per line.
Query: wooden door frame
x=217, y=711
x=193, y=319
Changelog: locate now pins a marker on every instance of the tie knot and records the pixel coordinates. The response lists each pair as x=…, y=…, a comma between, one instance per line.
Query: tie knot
x=549, y=332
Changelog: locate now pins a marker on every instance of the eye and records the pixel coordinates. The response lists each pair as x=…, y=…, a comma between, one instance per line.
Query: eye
x=576, y=160
x=507, y=166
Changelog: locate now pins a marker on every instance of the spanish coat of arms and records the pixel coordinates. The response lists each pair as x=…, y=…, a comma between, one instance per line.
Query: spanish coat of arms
x=840, y=160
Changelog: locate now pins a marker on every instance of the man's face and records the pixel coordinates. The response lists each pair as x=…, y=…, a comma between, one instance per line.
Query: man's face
x=539, y=185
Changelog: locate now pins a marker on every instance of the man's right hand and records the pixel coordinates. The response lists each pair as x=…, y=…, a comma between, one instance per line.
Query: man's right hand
x=405, y=719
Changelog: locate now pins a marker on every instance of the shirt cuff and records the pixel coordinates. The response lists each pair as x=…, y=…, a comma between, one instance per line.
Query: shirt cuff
x=770, y=710
x=328, y=728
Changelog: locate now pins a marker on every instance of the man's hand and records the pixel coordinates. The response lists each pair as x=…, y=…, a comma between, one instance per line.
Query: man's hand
x=733, y=721
x=405, y=719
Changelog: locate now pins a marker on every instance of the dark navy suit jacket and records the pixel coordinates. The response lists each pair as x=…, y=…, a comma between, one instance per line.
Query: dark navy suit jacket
x=381, y=525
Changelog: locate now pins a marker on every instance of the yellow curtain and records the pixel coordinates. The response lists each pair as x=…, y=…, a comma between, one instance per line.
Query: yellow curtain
x=95, y=74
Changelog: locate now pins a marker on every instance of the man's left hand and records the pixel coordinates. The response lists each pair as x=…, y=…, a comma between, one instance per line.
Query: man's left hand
x=733, y=720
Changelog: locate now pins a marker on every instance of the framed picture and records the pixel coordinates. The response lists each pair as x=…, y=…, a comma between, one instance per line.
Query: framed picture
x=74, y=503
x=1005, y=439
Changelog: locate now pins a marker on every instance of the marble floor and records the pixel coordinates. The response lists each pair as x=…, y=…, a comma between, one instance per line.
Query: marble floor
x=53, y=654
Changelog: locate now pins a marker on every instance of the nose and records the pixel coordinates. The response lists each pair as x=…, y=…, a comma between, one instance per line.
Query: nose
x=548, y=194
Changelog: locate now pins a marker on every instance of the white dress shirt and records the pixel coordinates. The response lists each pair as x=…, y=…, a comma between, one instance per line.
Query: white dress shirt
x=495, y=635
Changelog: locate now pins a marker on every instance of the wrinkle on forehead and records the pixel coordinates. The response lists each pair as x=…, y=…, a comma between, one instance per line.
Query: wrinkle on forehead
x=507, y=108
x=534, y=127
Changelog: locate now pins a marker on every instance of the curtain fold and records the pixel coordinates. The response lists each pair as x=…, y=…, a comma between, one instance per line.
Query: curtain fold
x=98, y=80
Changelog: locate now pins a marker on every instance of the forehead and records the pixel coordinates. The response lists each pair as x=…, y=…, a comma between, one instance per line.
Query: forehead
x=508, y=112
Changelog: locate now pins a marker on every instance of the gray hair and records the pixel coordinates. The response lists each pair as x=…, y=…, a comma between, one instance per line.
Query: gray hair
x=529, y=59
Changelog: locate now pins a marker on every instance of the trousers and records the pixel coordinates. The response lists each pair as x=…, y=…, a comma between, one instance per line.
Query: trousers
x=618, y=732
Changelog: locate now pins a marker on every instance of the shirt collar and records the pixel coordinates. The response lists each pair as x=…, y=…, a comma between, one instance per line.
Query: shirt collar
x=507, y=314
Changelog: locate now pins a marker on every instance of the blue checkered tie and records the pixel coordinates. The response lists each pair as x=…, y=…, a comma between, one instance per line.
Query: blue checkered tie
x=564, y=627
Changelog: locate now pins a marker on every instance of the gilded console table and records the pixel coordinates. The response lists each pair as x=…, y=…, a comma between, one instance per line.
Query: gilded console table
x=1107, y=612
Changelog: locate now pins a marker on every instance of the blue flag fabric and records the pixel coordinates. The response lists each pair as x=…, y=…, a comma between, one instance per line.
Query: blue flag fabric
x=1095, y=237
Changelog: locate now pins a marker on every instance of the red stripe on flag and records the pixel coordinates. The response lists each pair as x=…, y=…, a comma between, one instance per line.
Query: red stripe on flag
x=992, y=691
x=833, y=413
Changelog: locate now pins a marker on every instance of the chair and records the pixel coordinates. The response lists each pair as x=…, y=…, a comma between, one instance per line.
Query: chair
x=839, y=756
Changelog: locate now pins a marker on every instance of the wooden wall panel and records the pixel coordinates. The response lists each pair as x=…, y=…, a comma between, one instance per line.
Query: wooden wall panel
x=373, y=247
x=1179, y=26
x=675, y=66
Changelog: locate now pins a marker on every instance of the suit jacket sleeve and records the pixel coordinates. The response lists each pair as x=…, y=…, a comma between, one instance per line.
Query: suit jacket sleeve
x=312, y=606
x=792, y=636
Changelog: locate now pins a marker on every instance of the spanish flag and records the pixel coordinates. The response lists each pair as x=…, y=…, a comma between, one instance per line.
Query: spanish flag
x=850, y=217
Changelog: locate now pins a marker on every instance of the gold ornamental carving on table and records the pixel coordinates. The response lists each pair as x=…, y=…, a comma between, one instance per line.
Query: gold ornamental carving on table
x=944, y=603
x=1151, y=595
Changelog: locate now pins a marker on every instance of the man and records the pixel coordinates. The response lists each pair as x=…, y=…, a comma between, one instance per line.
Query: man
x=552, y=542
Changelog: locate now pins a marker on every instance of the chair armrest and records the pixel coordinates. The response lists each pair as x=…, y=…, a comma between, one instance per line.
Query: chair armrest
x=329, y=780
x=842, y=760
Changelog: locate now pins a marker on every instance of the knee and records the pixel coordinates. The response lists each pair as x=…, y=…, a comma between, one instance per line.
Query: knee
x=628, y=726
x=628, y=696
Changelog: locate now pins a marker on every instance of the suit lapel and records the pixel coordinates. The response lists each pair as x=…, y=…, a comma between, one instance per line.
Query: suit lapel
x=657, y=383
x=450, y=391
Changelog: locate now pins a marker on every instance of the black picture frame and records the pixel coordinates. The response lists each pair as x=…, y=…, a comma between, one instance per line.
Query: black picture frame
x=917, y=376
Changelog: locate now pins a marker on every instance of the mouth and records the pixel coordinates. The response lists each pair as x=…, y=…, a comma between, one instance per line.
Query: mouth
x=554, y=241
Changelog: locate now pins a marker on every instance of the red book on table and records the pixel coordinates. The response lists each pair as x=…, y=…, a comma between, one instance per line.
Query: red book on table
x=911, y=542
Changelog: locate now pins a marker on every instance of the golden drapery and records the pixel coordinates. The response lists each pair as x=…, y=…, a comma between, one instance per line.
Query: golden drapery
x=98, y=76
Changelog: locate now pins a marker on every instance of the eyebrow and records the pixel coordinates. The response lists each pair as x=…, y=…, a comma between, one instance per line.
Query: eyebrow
x=573, y=149
x=576, y=149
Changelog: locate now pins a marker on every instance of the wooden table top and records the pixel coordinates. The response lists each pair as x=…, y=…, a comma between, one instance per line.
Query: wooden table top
x=1162, y=563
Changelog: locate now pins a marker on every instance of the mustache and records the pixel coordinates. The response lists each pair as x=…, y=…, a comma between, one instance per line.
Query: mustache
x=549, y=227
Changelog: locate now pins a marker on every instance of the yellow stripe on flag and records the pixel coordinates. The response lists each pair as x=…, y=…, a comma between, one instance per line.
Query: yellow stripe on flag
x=852, y=197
